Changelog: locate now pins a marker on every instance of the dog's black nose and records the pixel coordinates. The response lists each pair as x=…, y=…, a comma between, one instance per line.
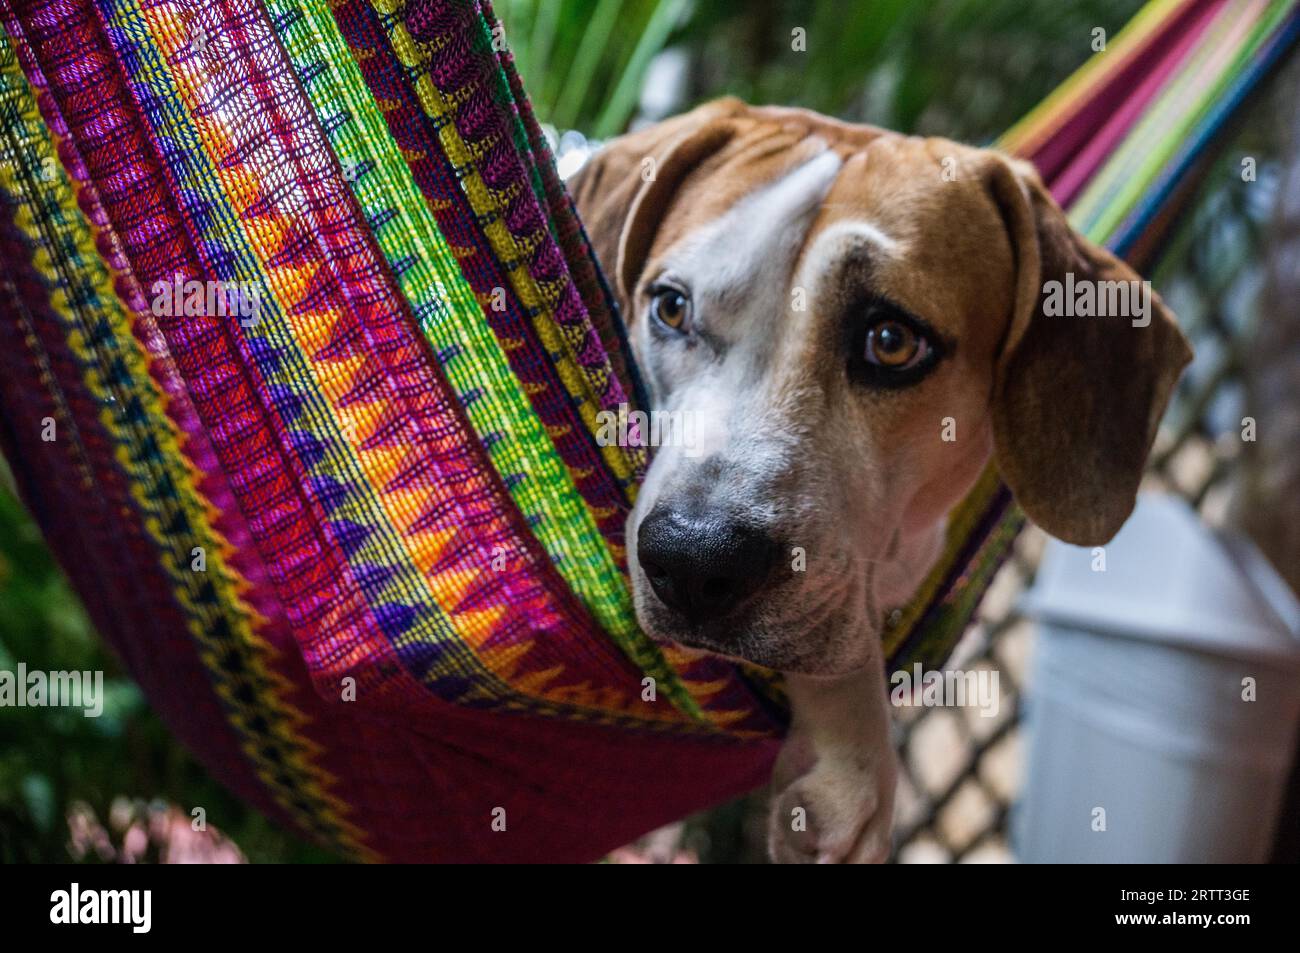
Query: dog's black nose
x=702, y=567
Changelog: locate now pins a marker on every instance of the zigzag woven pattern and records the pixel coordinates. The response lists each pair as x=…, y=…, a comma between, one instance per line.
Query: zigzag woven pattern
x=346, y=518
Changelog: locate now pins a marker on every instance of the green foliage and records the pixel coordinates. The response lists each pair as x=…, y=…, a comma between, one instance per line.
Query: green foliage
x=961, y=68
x=583, y=60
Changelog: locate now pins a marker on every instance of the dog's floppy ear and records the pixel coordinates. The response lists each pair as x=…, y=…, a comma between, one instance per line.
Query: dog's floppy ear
x=624, y=190
x=1077, y=397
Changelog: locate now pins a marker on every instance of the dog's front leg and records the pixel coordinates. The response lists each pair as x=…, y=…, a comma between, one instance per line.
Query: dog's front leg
x=835, y=776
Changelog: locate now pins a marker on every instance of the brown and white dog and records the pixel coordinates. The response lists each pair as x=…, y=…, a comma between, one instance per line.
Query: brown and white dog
x=830, y=302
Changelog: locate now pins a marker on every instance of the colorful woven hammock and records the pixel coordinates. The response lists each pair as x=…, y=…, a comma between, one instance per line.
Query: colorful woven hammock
x=346, y=518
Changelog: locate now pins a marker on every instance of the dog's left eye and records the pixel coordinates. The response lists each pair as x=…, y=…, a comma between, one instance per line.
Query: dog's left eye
x=671, y=308
x=890, y=349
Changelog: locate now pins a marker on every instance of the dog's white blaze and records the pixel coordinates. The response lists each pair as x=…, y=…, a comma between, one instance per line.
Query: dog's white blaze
x=747, y=241
x=739, y=263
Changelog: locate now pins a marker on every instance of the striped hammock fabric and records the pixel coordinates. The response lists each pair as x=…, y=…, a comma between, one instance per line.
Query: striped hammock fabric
x=303, y=361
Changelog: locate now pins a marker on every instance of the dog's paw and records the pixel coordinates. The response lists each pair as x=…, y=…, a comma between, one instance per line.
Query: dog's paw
x=841, y=811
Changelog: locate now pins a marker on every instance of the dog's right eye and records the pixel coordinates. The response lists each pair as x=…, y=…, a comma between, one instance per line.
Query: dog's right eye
x=889, y=348
x=671, y=307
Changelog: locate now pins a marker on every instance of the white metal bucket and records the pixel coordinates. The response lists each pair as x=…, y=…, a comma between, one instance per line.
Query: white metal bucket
x=1144, y=743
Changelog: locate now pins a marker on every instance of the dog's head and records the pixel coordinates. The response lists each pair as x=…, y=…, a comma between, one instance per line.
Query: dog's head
x=839, y=325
